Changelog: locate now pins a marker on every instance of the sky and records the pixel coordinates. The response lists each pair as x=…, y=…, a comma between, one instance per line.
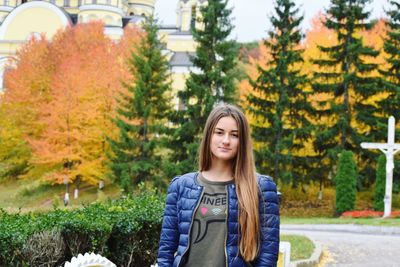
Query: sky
x=250, y=17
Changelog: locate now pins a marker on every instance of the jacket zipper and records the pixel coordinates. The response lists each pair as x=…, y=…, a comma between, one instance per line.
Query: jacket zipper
x=227, y=225
x=190, y=227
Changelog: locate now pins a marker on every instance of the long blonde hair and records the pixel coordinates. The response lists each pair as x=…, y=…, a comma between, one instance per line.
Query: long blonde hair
x=244, y=172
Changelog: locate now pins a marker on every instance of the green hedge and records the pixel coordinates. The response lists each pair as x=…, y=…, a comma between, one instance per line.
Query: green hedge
x=126, y=231
x=345, y=182
x=380, y=183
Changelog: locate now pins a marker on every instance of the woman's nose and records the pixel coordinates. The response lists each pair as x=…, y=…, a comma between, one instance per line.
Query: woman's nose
x=226, y=139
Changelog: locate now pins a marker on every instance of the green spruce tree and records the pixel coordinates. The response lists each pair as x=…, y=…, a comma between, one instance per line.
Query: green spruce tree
x=380, y=184
x=141, y=113
x=279, y=102
x=212, y=82
x=349, y=114
x=345, y=182
x=391, y=104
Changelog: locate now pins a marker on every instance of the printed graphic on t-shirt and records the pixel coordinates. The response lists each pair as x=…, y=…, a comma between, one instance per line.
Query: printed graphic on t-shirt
x=212, y=211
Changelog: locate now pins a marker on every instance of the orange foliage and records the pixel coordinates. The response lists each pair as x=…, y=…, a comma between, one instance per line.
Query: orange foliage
x=375, y=38
x=81, y=70
x=263, y=56
x=30, y=84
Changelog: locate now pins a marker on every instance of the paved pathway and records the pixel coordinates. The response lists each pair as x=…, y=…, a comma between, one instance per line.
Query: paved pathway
x=354, y=246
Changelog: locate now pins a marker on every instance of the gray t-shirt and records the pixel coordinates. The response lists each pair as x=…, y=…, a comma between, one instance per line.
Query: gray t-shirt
x=208, y=233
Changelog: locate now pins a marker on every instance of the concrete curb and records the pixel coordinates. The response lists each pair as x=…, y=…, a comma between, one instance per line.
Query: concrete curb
x=350, y=228
x=314, y=260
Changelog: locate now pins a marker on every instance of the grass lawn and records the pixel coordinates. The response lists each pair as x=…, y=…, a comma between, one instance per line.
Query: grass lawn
x=362, y=221
x=32, y=196
x=300, y=246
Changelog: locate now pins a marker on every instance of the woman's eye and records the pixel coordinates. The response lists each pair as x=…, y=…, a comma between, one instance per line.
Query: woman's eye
x=219, y=133
x=235, y=135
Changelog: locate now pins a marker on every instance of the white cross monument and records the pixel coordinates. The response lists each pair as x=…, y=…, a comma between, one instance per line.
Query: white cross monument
x=389, y=149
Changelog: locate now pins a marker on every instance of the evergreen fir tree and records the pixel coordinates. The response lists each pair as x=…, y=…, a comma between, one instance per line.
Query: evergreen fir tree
x=391, y=104
x=346, y=81
x=141, y=113
x=279, y=102
x=212, y=82
x=380, y=184
x=345, y=182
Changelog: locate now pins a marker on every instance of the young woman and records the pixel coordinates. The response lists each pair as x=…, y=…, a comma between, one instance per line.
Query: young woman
x=225, y=214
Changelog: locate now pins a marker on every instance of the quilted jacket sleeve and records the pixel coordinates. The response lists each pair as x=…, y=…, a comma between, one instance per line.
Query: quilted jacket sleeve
x=269, y=219
x=169, y=231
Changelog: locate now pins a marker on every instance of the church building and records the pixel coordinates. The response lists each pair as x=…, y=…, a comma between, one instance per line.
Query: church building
x=22, y=19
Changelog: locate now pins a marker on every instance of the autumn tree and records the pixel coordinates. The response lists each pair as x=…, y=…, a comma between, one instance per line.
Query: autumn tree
x=74, y=137
x=350, y=109
x=27, y=82
x=62, y=92
x=279, y=102
x=212, y=82
x=27, y=88
x=141, y=113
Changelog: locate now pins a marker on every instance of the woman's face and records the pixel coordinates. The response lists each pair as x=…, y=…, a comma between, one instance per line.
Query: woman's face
x=225, y=139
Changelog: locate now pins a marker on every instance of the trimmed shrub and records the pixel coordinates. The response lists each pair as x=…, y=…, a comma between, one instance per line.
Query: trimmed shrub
x=345, y=183
x=136, y=230
x=14, y=231
x=83, y=233
x=126, y=231
x=380, y=184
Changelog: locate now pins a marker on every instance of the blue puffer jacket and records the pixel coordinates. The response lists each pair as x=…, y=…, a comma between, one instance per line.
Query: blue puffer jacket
x=182, y=199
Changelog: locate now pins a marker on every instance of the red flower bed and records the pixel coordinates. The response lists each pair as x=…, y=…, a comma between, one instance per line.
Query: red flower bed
x=368, y=214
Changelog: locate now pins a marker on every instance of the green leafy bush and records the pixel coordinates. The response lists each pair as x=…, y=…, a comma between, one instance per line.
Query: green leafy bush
x=134, y=239
x=14, y=231
x=85, y=233
x=126, y=231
